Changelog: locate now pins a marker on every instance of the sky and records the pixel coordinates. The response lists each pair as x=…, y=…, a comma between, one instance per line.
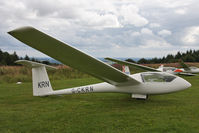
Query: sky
x=105, y=28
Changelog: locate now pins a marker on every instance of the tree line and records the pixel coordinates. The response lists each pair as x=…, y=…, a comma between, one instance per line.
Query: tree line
x=7, y=59
x=188, y=56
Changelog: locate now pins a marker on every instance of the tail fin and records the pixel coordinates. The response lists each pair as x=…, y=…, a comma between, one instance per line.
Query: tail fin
x=41, y=82
x=161, y=68
x=125, y=69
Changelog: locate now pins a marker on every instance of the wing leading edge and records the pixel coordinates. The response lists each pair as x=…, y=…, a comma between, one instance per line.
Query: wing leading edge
x=71, y=56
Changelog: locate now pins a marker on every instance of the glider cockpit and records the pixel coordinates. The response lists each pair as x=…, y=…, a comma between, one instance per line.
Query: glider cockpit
x=157, y=77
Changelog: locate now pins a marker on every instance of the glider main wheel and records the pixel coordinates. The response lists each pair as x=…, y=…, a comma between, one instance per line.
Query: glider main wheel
x=140, y=96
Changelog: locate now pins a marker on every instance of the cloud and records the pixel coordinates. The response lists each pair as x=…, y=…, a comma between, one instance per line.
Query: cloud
x=172, y=4
x=92, y=19
x=180, y=11
x=104, y=28
x=192, y=35
x=135, y=34
x=164, y=33
x=155, y=44
x=146, y=31
x=154, y=25
x=130, y=15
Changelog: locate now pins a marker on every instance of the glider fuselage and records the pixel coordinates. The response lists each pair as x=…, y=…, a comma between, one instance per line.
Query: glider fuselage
x=145, y=87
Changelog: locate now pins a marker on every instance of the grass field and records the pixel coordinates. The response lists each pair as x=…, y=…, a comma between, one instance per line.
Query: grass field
x=13, y=74
x=97, y=112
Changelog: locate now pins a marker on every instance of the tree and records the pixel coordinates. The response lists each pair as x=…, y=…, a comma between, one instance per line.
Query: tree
x=130, y=60
x=143, y=61
x=169, y=58
x=33, y=59
x=14, y=57
x=1, y=56
x=26, y=58
x=189, y=58
x=178, y=55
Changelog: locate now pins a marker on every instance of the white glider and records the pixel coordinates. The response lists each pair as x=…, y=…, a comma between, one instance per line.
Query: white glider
x=180, y=71
x=186, y=69
x=140, y=85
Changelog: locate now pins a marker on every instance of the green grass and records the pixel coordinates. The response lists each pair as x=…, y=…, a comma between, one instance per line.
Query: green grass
x=13, y=74
x=97, y=112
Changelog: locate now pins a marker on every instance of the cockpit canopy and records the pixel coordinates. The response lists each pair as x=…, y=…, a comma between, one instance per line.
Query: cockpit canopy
x=157, y=77
x=169, y=69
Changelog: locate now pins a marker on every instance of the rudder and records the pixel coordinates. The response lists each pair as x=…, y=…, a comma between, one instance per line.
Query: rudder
x=40, y=80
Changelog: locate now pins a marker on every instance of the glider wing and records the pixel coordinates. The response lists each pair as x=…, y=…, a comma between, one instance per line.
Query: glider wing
x=187, y=74
x=71, y=56
x=133, y=65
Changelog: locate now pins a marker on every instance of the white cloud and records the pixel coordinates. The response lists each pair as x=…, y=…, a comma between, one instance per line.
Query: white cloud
x=155, y=44
x=146, y=31
x=164, y=33
x=192, y=35
x=154, y=25
x=172, y=4
x=130, y=15
x=135, y=34
x=92, y=19
x=181, y=11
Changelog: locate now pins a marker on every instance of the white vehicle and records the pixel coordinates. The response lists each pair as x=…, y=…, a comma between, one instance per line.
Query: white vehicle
x=171, y=70
x=187, y=69
x=140, y=85
x=191, y=69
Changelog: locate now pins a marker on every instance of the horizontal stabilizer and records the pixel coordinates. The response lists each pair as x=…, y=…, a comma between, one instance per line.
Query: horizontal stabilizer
x=33, y=64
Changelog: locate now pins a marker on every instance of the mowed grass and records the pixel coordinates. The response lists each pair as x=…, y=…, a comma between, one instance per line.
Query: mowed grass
x=97, y=112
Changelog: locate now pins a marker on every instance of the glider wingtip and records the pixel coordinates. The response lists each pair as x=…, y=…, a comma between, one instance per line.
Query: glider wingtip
x=108, y=58
x=24, y=28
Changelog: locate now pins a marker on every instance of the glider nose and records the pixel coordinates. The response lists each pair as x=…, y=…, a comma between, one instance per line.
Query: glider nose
x=185, y=84
x=180, y=84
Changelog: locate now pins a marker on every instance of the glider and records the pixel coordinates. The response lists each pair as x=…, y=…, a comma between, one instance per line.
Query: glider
x=140, y=85
x=180, y=71
x=186, y=69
